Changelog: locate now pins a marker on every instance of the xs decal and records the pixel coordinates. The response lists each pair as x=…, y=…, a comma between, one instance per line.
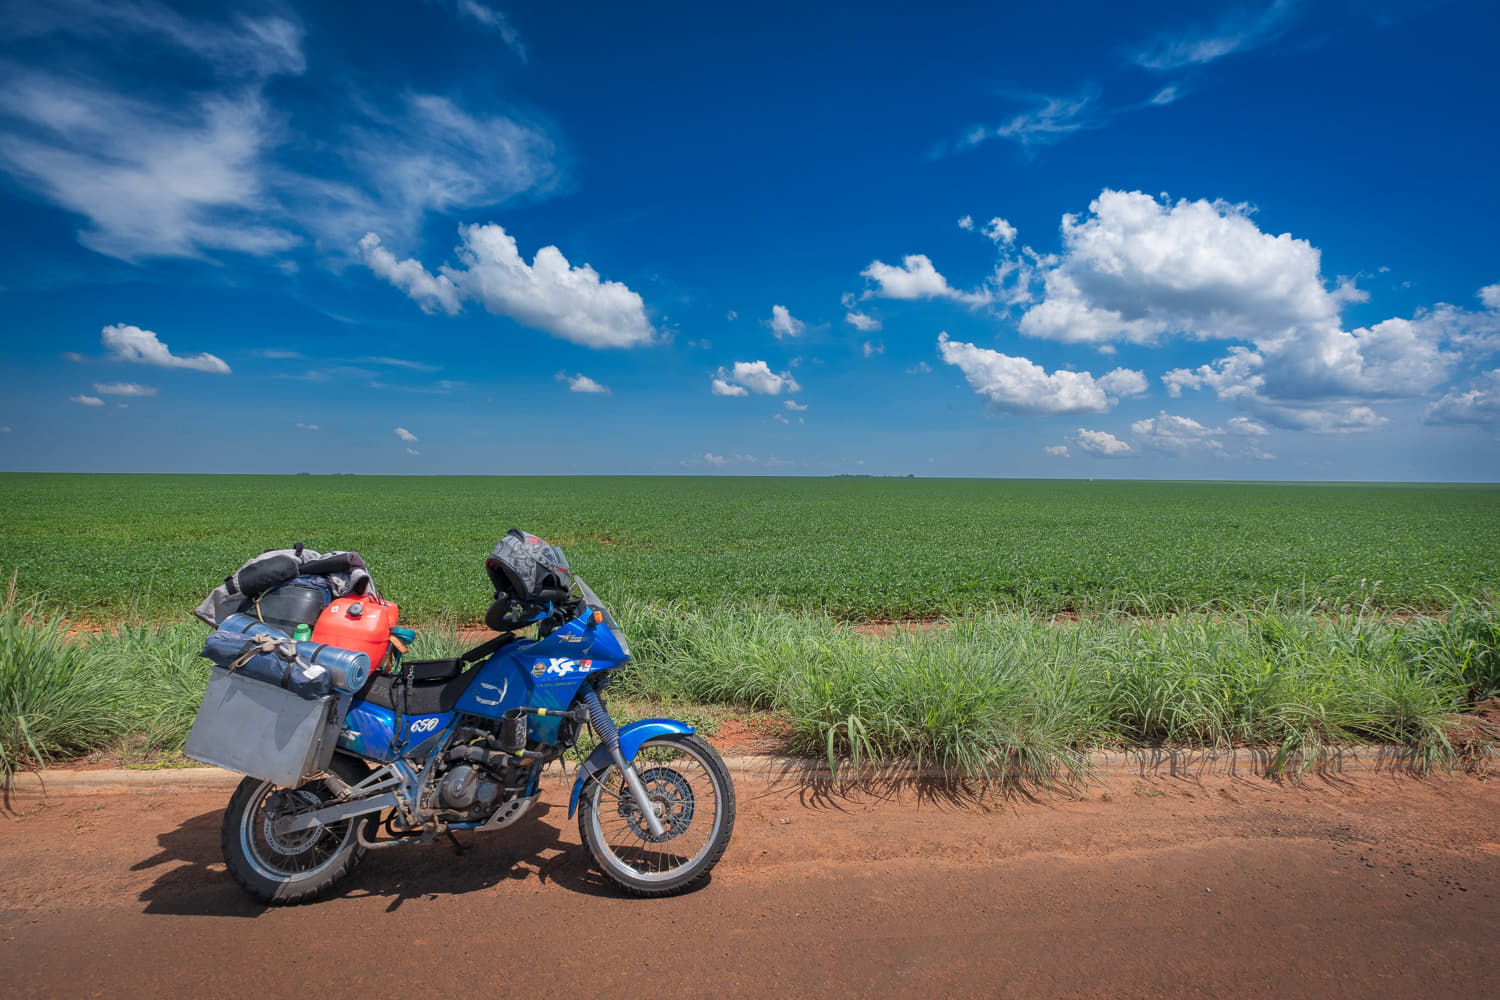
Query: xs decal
x=560, y=666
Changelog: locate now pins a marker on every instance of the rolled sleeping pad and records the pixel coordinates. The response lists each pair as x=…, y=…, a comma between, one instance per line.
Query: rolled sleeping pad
x=348, y=669
x=240, y=622
x=316, y=669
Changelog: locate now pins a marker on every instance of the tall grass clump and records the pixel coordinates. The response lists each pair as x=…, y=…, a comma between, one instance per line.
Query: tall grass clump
x=54, y=700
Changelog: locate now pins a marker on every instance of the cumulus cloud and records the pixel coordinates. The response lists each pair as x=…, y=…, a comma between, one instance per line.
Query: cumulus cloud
x=713, y=459
x=550, y=294
x=746, y=377
x=406, y=435
x=131, y=343
x=784, y=324
x=1490, y=296
x=1140, y=269
x=916, y=278
x=307, y=427
x=1000, y=231
x=86, y=400
x=792, y=404
x=1101, y=443
x=872, y=348
x=123, y=389
x=1477, y=402
x=1058, y=450
x=582, y=383
x=862, y=322
x=1017, y=385
x=1177, y=435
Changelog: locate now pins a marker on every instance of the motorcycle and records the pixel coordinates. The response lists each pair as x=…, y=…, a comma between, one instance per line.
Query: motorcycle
x=441, y=746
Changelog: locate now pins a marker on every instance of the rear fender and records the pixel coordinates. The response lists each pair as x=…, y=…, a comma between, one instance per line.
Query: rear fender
x=631, y=738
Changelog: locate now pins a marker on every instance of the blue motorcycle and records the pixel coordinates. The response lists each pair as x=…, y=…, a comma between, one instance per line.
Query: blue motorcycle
x=446, y=745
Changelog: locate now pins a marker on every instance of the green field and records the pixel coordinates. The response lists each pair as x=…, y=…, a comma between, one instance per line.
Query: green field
x=150, y=546
x=732, y=592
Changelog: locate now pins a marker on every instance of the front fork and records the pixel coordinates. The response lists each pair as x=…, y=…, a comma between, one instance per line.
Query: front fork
x=609, y=737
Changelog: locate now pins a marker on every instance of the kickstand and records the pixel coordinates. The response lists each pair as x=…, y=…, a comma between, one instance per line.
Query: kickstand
x=460, y=849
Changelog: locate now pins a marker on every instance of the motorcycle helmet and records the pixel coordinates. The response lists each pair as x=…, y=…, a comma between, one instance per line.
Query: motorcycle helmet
x=527, y=573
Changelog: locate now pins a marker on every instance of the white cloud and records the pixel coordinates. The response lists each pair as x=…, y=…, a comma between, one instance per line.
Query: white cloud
x=307, y=427
x=152, y=176
x=872, y=348
x=582, y=383
x=413, y=451
x=920, y=368
x=792, y=404
x=862, y=322
x=713, y=459
x=780, y=418
x=1237, y=31
x=752, y=376
x=784, y=324
x=1048, y=120
x=1016, y=385
x=494, y=19
x=1058, y=450
x=1177, y=435
x=406, y=435
x=131, y=343
x=428, y=156
x=1245, y=427
x=1000, y=231
x=168, y=172
x=1101, y=443
x=123, y=389
x=1136, y=269
x=86, y=400
x=1478, y=402
x=916, y=278
x=151, y=181
x=1123, y=382
x=550, y=294
x=1139, y=269
x=1490, y=296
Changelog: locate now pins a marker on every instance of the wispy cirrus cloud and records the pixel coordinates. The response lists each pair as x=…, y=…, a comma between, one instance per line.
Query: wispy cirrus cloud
x=219, y=167
x=1238, y=30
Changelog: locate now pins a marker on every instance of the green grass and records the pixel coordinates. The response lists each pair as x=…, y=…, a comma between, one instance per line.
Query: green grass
x=1003, y=697
x=149, y=547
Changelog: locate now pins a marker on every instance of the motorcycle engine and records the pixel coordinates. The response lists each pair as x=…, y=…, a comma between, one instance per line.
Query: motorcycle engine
x=470, y=790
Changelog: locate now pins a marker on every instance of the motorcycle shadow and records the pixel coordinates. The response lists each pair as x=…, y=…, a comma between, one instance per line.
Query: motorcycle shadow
x=198, y=884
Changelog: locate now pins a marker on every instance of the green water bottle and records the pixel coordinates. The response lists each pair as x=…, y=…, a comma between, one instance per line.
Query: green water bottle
x=302, y=632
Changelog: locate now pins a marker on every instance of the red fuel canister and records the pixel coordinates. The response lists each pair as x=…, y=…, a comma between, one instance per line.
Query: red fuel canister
x=359, y=623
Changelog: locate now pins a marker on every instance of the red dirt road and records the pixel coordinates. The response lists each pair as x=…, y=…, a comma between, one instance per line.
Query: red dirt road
x=1371, y=886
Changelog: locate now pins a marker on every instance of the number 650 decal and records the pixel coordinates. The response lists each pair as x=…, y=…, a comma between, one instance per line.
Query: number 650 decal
x=424, y=725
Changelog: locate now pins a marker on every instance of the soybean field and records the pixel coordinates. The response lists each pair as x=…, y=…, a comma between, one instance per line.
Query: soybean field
x=149, y=547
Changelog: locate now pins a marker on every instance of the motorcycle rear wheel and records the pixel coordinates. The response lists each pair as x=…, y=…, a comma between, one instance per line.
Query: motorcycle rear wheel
x=285, y=869
x=693, y=797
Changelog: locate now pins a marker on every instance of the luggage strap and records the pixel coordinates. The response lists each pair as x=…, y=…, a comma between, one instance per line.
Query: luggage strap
x=264, y=644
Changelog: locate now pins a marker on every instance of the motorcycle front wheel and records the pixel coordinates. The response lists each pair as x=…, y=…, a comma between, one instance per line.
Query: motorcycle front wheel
x=690, y=792
x=286, y=868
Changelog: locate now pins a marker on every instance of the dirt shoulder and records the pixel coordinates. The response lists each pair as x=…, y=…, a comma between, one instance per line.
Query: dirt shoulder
x=1371, y=883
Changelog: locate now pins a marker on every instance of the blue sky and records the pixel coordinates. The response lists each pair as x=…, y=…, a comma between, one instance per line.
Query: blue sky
x=1157, y=240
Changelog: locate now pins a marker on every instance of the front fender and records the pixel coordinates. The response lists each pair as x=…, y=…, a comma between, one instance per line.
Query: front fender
x=631, y=738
